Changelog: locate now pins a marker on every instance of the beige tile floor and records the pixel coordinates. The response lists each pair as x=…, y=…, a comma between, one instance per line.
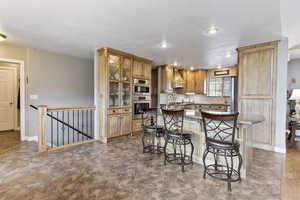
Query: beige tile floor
x=120, y=170
x=8, y=140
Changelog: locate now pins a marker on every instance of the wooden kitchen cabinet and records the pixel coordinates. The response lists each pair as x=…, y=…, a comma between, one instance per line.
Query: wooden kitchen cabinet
x=190, y=81
x=200, y=79
x=137, y=71
x=113, y=126
x=125, y=121
x=147, y=71
x=142, y=69
x=257, y=89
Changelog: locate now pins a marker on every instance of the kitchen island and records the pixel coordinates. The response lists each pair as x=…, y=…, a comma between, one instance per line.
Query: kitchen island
x=246, y=126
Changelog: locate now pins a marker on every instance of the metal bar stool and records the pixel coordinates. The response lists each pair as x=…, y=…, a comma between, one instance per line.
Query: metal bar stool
x=219, y=131
x=179, y=140
x=152, y=133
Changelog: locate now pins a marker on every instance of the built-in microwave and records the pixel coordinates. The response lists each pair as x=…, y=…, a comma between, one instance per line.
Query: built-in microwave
x=141, y=87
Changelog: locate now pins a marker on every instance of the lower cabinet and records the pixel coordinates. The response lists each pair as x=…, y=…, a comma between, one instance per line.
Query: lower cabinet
x=119, y=125
x=137, y=125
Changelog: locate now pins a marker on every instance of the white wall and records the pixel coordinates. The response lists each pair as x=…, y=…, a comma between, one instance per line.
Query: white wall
x=58, y=80
x=281, y=99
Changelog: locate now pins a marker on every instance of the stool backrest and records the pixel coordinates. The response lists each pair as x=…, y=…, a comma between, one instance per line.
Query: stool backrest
x=149, y=117
x=173, y=121
x=219, y=126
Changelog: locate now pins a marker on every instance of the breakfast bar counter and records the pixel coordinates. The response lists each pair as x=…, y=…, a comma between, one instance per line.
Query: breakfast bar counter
x=245, y=128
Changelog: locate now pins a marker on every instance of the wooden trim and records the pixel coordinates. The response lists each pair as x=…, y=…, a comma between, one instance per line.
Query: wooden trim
x=71, y=145
x=42, y=134
x=115, y=51
x=71, y=108
x=258, y=46
x=142, y=59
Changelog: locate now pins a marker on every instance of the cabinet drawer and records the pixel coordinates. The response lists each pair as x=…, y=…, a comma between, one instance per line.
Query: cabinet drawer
x=137, y=125
x=126, y=110
x=113, y=111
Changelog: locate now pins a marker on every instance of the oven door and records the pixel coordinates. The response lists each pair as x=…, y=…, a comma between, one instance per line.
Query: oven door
x=139, y=107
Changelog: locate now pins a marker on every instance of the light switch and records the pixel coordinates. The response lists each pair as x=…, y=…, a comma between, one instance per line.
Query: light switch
x=34, y=96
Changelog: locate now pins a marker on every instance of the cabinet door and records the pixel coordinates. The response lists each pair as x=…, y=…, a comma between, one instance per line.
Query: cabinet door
x=147, y=71
x=113, y=126
x=137, y=69
x=114, y=72
x=200, y=78
x=190, y=81
x=126, y=120
x=114, y=94
x=126, y=94
x=126, y=69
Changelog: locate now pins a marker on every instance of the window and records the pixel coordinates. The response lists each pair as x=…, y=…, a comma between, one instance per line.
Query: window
x=219, y=86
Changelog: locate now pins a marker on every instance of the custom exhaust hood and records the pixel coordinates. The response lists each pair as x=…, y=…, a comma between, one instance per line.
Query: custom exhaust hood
x=178, y=79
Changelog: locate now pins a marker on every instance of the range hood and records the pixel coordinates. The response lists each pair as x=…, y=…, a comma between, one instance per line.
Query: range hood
x=178, y=80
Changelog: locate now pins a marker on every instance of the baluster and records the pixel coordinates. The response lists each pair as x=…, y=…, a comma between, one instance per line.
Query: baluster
x=73, y=125
x=77, y=125
x=92, y=132
x=51, y=130
x=68, y=127
x=82, y=120
x=87, y=122
x=63, y=128
x=57, y=129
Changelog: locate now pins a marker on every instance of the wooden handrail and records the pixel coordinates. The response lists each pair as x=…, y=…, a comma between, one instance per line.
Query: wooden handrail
x=71, y=108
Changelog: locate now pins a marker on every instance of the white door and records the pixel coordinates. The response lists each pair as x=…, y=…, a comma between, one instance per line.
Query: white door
x=6, y=99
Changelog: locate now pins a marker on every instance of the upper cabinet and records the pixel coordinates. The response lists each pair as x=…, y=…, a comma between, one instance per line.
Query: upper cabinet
x=190, y=81
x=142, y=68
x=200, y=81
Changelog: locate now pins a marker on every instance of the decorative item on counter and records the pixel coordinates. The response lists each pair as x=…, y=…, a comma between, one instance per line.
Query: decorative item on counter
x=296, y=96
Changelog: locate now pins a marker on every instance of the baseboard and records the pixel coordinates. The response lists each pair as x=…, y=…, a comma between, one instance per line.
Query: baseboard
x=269, y=148
x=279, y=150
x=30, y=138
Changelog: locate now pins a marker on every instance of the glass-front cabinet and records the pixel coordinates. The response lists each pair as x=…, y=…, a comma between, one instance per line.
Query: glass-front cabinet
x=119, y=77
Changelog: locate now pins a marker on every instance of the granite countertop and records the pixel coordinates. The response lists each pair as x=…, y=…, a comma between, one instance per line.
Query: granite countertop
x=249, y=119
x=246, y=119
x=210, y=104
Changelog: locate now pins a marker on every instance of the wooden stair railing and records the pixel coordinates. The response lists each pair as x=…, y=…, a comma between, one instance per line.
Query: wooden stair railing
x=63, y=127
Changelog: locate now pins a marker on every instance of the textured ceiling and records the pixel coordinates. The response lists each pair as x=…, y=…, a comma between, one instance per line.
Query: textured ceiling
x=77, y=27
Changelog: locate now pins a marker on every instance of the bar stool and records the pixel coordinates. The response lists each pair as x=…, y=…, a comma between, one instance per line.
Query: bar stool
x=220, y=141
x=179, y=140
x=152, y=133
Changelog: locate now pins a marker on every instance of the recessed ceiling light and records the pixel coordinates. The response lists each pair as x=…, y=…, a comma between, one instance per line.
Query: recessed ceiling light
x=219, y=66
x=2, y=37
x=175, y=63
x=228, y=54
x=212, y=30
x=192, y=68
x=164, y=45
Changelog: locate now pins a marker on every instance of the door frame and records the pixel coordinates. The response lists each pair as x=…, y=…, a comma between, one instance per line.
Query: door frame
x=22, y=95
x=15, y=94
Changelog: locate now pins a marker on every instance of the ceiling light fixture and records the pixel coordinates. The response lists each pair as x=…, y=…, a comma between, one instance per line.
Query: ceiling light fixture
x=2, y=37
x=219, y=66
x=164, y=45
x=175, y=63
x=212, y=30
x=192, y=68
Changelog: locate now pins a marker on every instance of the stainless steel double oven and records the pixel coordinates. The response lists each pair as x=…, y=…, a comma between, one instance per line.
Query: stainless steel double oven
x=141, y=97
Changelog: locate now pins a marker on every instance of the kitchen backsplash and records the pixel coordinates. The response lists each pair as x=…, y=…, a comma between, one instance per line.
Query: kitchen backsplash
x=193, y=98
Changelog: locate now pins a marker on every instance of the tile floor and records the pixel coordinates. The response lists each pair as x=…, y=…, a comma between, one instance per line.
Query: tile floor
x=120, y=171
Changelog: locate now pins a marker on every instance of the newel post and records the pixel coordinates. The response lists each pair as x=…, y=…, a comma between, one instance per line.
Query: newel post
x=42, y=121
